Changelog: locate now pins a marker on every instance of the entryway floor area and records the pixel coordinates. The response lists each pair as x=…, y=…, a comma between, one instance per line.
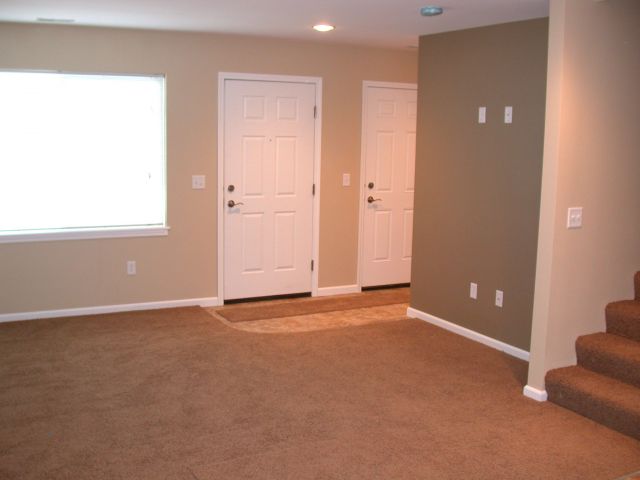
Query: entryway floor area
x=283, y=318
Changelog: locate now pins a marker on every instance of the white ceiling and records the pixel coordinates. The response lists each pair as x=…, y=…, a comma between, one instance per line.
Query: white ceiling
x=391, y=23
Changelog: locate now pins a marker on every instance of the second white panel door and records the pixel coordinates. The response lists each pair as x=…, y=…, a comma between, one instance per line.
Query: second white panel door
x=389, y=167
x=268, y=175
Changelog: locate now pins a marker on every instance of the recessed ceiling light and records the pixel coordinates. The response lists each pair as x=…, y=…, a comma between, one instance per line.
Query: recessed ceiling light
x=431, y=11
x=323, y=27
x=55, y=20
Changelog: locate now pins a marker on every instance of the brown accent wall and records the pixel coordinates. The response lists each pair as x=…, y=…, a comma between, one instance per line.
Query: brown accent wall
x=478, y=185
x=82, y=273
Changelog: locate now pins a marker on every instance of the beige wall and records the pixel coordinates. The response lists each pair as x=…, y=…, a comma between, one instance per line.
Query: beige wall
x=591, y=160
x=478, y=186
x=66, y=274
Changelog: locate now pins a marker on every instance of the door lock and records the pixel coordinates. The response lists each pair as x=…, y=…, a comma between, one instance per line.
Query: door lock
x=231, y=188
x=370, y=185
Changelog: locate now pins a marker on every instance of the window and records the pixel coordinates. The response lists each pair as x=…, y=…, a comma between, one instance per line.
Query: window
x=81, y=155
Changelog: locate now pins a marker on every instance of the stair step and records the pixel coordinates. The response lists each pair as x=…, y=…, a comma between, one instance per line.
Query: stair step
x=600, y=398
x=610, y=355
x=623, y=318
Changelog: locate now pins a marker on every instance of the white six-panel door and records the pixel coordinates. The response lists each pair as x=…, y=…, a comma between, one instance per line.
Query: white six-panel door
x=268, y=173
x=389, y=138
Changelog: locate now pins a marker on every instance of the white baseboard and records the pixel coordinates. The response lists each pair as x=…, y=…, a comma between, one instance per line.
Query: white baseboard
x=471, y=334
x=535, y=393
x=127, y=307
x=339, y=290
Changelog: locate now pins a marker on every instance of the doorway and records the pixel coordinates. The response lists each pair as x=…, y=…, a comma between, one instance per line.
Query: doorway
x=268, y=189
x=387, y=183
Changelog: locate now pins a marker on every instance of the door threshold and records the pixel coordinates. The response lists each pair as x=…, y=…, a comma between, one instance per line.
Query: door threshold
x=267, y=298
x=385, y=287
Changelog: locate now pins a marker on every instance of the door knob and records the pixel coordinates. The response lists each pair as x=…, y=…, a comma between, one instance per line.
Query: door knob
x=371, y=199
x=232, y=204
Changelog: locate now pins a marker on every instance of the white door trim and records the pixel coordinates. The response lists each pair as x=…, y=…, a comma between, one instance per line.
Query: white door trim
x=315, y=248
x=363, y=155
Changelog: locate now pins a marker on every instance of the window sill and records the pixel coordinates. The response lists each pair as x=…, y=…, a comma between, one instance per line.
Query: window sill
x=54, y=235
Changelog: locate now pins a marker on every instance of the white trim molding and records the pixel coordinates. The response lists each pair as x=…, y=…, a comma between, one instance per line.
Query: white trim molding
x=470, y=334
x=84, y=234
x=128, y=307
x=339, y=290
x=535, y=393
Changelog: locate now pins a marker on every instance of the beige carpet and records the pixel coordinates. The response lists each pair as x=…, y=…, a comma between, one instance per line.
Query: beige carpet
x=251, y=311
x=176, y=395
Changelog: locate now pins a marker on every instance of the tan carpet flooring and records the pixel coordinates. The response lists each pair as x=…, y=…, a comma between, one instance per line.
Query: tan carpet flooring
x=176, y=394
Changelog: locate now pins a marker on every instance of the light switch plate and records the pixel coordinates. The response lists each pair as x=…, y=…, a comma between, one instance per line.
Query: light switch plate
x=198, y=182
x=574, y=217
x=346, y=179
x=499, y=298
x=508, y=114
x=473, y=290
x=482, y=115
x=131, y=267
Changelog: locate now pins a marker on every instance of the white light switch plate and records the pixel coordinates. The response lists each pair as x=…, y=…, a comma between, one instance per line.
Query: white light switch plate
x=473, y=290
x=508, y=114
x=574, y=217
x=499, y=298
x=198, y=182
x=482, y=115
x=131, y=267
x=346, y=179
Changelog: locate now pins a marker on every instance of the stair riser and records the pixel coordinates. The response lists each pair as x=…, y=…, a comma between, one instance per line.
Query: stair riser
x=622, y=421
x=624, y=329
x=622, y=323
x=625, y=370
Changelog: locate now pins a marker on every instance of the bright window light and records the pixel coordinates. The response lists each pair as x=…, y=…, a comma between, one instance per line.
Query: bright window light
x=81, y=152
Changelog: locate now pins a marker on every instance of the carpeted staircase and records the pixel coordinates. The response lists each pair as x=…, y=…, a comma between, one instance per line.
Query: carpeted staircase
x=605, y=385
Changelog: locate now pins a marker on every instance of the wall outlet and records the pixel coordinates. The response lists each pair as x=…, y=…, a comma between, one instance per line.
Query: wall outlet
x=499, y=298
x=131, y=267
x=473, y=290
x=198, y=182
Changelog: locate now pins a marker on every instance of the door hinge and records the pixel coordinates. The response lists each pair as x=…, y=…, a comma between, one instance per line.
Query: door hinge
x=315, y=111
x=313, y=189
x=312, y=265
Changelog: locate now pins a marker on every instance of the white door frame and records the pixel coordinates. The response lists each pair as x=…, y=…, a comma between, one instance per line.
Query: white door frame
x=315, y=248
x=363, y=155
